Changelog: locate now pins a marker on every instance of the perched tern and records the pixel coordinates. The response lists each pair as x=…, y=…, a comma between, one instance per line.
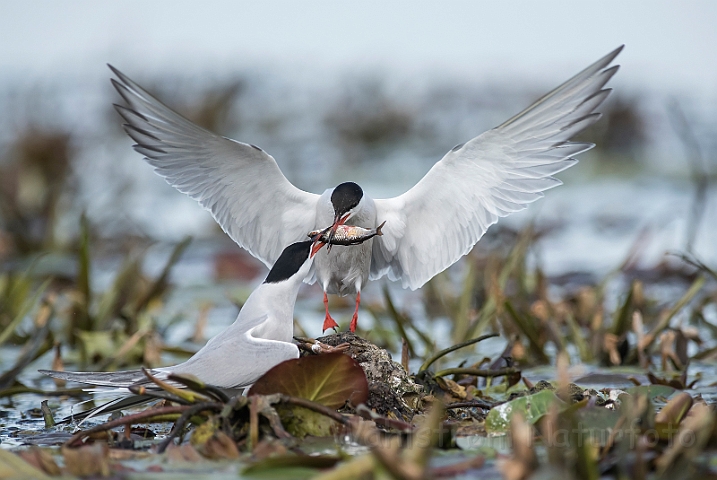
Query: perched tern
x=427, y=229
x=260, y=337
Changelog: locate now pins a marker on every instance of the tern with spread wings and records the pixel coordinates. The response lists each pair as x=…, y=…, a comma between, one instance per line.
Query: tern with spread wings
x=427, y=229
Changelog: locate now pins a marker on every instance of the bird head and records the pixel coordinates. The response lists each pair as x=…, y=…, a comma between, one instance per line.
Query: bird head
x=294, y=261
x=345, y=199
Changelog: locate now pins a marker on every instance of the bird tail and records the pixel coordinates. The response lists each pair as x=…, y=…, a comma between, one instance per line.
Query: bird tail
x=114, y=405
x=105, y=379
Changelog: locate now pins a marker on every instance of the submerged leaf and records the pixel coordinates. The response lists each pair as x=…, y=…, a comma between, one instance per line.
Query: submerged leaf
x=202, y=433
x=596, y=423
x=330, y=379
x=300, y=421
x=531, y=408
x=652, y=391
x=274, y=465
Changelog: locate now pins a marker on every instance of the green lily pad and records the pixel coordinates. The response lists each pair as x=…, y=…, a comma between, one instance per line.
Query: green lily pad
x=597, y=423
x=331, y=379
x=652, y=391
x=532, y=407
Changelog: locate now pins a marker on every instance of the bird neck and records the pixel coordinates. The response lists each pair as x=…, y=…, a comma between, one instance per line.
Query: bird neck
x=279, y=297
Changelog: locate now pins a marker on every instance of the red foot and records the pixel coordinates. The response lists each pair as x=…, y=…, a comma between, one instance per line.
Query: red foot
x=354, y=318
x=328, y=321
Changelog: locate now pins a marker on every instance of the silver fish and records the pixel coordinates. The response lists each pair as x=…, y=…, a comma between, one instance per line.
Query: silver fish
x=346, y=234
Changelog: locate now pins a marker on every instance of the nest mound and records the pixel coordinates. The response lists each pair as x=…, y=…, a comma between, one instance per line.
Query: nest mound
x=392, y=392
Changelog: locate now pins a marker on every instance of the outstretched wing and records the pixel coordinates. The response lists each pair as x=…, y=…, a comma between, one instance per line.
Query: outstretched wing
x=240, y=184
x=497, y=173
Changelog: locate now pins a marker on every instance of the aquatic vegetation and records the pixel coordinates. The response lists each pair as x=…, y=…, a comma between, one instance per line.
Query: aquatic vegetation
x=594, y=375
x=456, y=400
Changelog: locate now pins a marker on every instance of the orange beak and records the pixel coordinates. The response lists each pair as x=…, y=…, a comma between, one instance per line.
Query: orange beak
x=316, y=247
x=338, y=221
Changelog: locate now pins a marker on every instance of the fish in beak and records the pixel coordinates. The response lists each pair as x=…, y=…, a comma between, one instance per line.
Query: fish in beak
x=317, y=244
x=338, y=221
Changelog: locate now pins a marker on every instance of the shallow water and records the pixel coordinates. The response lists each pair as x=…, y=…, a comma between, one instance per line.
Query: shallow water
x=590, y=224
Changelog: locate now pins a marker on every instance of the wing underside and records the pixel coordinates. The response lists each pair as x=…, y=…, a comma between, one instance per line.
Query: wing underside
x=240, y=184
x=493, y=175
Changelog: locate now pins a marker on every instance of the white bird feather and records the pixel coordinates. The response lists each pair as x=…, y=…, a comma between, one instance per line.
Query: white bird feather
x=260, y=337
x=427, y=229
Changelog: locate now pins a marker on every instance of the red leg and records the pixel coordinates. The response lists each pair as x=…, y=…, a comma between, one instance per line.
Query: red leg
x=328, y=321
x=354, y=319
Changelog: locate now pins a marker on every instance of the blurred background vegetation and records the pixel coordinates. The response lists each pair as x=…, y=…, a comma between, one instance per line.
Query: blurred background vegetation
x=609, y=281
x=97, y=272
x=84, y=217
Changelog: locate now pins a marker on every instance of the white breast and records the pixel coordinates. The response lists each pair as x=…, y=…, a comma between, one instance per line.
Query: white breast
x=340, y=270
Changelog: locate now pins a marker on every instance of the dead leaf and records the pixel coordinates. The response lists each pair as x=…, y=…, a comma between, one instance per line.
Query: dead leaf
x=523, y=461
x=219, y=446
x=610, y=346
x=691, y=438
x=267, y=448
x=668, y=419
x=122, y=455
x=40, y=459
x=87, y=460
x=667, y=350
x=182, y=453
x=58, y=365
x=331, y=380
x=452, y=388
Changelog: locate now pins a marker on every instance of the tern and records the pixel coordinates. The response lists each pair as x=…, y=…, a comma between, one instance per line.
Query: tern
x=427, y=229
x=260, y=337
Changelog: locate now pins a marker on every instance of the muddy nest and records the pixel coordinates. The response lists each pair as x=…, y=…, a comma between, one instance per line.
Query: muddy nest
x=391, y=391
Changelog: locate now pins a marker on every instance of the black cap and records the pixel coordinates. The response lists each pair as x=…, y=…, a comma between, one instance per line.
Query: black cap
x=289, y=262
x=345, y=197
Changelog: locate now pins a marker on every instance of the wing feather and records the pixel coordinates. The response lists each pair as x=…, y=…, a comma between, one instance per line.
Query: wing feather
x=122, y=379
x=236, y=358
x=493, y=175
x=240, y=184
